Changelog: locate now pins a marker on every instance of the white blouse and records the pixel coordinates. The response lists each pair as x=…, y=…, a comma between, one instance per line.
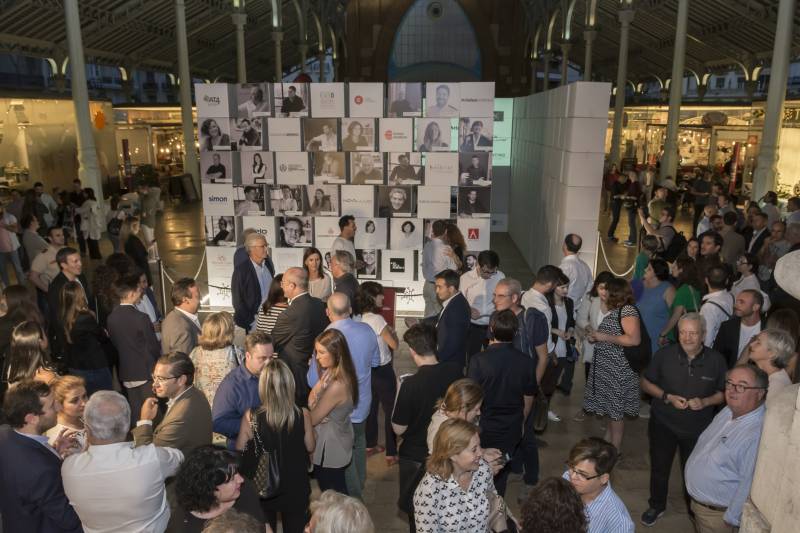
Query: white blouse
x=442, y=506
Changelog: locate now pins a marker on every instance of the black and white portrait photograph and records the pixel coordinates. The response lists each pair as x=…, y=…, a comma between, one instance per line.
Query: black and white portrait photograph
x=405, y=168
x=474, y=169
x=368, y=260
x=396, y=202
x=475, y=134
x=249, y=200
x=329, y=167
x=434, y=135
x=291, y=99
x=322, y=200
x=442, y=99
x=246, y=134
x=406, y=234
x=257, y=168
x=216, y=167
x=371, y=233
x=471, y=260
x=405, y=100
x=220, y=231
x=474, y=202
x=321, y=134
x=358, y=134
x=366, y=168
x=287, y=199
x=215, y=134
x=295, y=232
x=253, y=100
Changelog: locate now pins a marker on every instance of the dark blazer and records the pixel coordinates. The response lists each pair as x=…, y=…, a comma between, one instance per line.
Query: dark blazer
x=727, y=340
x=136, y=250
x=293, y=337
x=759, y=241
x=246, y=293
x=136, y=343
x=452, y=325
x=348, y=285
x=56, y=331
x=178, y=333
x=90, y=347
x=240, y=256
x=186, y=426
x=32, y=495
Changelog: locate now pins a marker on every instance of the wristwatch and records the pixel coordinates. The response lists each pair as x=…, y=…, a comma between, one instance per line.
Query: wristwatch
x=664, y=397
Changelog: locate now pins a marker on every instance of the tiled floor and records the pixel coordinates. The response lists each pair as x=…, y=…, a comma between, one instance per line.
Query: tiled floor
x=181, y=243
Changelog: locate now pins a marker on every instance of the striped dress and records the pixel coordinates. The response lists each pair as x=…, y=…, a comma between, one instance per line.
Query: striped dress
x=265, y=322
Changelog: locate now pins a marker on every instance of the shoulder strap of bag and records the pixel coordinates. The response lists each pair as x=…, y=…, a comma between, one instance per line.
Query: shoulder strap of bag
x=727, y=314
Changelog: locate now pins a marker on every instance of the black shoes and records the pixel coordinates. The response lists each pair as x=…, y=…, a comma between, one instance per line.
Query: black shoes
x=650, y=516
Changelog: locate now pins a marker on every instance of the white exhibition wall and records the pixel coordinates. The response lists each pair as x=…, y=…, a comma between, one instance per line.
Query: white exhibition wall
x=556, y=170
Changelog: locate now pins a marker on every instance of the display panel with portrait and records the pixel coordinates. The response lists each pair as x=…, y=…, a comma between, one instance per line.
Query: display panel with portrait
x=291, y=99
x=474, y=202
x=249, y=200
x=216, y=167
x=253, y=100
x=366, y=168
x=295, y=232
x=474, y=169
x=214, y=134
x=257, y=168
x=322, y=200
x=288, y=200
x=405, y=100
x=406, y=234
x=396, y=201
x=435, y=135
x=358, y=135
x=475, y=134
x=405, y=168
x=321, y=134
x=442, y=99
x=371, y=233
x=220, y=231
x=329, y=167
x=247, y=133
x=368, y=261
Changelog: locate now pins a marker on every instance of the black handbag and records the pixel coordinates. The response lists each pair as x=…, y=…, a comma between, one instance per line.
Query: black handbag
x=262, y=465
x=638, y=357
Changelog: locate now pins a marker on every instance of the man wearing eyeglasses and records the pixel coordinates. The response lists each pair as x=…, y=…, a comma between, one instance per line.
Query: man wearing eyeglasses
x=686, y=381
x=720, y=470
x=478, y=286
x=250, y=282
x=187, y=423
x=589, y=471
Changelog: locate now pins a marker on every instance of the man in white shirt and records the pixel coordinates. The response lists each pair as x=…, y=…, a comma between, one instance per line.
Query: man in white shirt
x=477, y=286
x=735, y=333
x=44, y=266
x=436, y=257
x=578, y=272
x=717, y=305
x=347, y=232
x=793, y=210
x=113, y=485
x=705, y=223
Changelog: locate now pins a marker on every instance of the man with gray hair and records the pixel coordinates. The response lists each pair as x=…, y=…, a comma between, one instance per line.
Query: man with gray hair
x=334, y=512
x=771, y=351
x=251, y=281
x=686, y=381
x=296, y=328
x=342, y=266
x=114, y=485
x=364, y=351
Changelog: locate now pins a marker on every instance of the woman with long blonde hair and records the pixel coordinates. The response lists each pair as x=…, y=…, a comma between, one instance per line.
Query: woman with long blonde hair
x=454, y=493
x=331, y=402
x=71, y=398
x=215, y=355
x=279, y=426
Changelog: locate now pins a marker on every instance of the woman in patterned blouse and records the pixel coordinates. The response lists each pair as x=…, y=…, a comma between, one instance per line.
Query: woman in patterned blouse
x=215, y=355
x=453, y=496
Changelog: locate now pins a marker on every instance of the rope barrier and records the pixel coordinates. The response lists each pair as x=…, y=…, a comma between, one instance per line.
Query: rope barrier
x=608, y=264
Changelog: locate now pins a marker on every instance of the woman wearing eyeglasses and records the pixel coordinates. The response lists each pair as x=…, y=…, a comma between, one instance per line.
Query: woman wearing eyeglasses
x=207, y=484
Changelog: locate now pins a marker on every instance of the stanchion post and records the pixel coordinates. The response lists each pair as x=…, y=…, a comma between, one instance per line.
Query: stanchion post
x=163, y=287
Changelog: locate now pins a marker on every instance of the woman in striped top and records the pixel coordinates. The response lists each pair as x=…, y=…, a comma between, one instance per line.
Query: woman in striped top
x=273, y=306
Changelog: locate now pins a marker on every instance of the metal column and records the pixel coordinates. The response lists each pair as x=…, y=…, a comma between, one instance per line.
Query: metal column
x=669, y=161
x=239, y=20
x=190, y=152
x=625, y=19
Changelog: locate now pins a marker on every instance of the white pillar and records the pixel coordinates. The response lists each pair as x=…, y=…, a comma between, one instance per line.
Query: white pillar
x=239, y=20
x=190, y=153
x=625, y=19
x=277, y=37
x=669, y=162
x=766, y=175
x=88, y=167
x=565, y=48
x=589, y=36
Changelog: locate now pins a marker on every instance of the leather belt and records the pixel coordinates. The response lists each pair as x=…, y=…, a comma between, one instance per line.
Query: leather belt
x=712, y=507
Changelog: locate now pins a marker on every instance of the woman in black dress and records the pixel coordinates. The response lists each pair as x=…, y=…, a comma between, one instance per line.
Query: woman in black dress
x=134, y=247
x=279, y=426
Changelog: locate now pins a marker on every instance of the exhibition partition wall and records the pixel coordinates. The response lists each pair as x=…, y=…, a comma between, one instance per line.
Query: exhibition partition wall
x=556, y=170
x=288, y=159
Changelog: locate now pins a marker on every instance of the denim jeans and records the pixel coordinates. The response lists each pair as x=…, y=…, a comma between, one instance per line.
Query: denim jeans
x=14, y=258
x=356, y=472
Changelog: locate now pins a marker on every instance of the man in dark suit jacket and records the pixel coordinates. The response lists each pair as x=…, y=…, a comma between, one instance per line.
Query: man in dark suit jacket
x=181, y=327
x=251, y=281
x=297, y=327
x=69, y=260
x=187, y=423
x=746, y=314
x=31, y=491
x=760, y=233
x=133, y=335
x=452, y=323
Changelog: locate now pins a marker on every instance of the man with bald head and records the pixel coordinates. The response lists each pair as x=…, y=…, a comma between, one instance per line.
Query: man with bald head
x=297, y=327
x=363, y=345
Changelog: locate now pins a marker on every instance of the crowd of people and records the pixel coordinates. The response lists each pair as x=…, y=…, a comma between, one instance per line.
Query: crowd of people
x=120, y=419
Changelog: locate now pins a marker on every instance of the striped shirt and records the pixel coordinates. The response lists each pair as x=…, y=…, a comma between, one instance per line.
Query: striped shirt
x=266, y=322
x=720, y=469
x=607, y=513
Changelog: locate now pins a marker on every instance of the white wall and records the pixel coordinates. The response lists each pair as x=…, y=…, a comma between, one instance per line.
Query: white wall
x=556, y=170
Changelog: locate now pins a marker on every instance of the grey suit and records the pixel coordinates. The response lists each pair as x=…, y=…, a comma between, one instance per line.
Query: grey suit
x=186, y=425
x=178, y=333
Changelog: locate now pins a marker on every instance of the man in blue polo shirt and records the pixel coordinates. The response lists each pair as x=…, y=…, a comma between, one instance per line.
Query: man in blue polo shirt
x=363, y=345
x=238, y=391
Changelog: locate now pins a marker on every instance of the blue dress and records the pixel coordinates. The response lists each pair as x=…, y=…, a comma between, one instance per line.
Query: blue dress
x=655, y=311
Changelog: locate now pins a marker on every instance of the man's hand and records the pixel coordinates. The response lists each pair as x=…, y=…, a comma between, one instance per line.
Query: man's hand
x=149, y=409
x=66, y=443
x=678, y=402
x=696, y=404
